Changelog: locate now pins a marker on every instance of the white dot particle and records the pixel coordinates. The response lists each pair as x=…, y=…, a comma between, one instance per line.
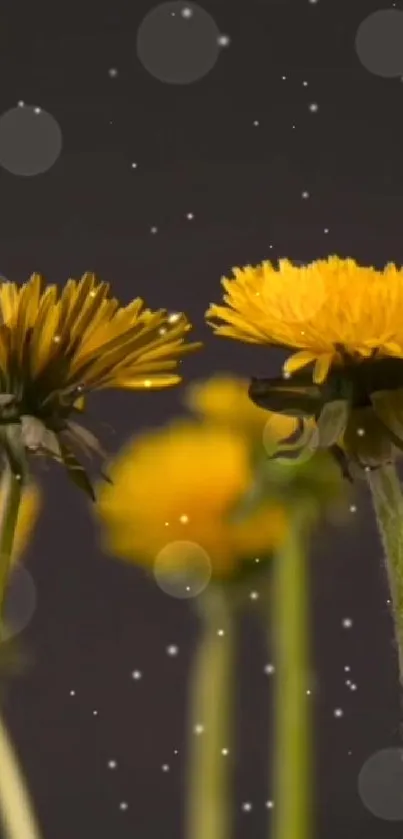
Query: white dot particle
x=246, y=806
x=326, y=230
x=305, y=84
x=113, y=72
x=224, y=41
x=269, y=805
x=184, y=519
x=189, y=216
x=134, y=165
x=347, y=668
x=254, y=595
x=256, y=123
x=269, y=669
x=37, y=110
x=72, y=693
x=361, y=432
x=305, y=194
x=353, y=508
x=353, y=687
x=123, y=805
x=198, y=729
x=154, y=230
x=112, y=764
x=165, y=767
x=95, y=713
x=187, y=12
x=225, y=752
x=172, y=650
x=21, y=104
x=313, y=107
x=347, y=623
x=136, y=674
x=338, y=712
x=220, y=632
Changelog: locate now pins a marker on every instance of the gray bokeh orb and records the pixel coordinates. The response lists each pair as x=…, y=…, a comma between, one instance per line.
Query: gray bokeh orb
x=182, y=569
x=379, y=43
x=20, y=602
x=30, y=141
x=178, y=42
x=380, y=784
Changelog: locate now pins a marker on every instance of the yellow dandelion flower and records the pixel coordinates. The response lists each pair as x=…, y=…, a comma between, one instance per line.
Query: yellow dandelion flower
x=344, y=323
x=56, y=346
x=182, y=483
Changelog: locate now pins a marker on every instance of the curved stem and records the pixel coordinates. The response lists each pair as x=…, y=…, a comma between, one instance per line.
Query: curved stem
x=15, y=806
x=10, y=490
x=293, y=759
x=210, y=722
x=388, y=505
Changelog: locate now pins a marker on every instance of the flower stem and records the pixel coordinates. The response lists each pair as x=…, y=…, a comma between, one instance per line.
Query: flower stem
x=15, y=807
x=10, y=489
x=293, y=759
x=211, y=708
x=388, y=505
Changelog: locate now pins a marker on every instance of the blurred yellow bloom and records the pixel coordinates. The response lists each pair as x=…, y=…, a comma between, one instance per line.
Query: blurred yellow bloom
x=343, y=322
x=181, y=483
x=27, y=517
x=58, y=345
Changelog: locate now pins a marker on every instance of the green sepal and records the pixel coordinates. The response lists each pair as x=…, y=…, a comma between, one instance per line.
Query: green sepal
x=332, y=422
x=388, y=406
x=296, y=397
x=38, y=438
x=77, y=472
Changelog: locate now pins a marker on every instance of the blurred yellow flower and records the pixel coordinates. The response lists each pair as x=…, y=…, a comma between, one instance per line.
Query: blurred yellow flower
x=181, y=483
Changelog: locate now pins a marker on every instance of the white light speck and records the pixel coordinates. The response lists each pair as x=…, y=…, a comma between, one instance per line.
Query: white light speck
x=254, y=595
x=220, y=632
x=361, y=432
x=172, y=650
x=347, y=623
x=112, y=72
x=21, y=104
x=257, y=559
x=95, y=713
x=184, y=519
x=305, y=194
x=136, y=674
x=269, y=805
x=284, y=78
x=353, y=508
x=187, y=12
x=313, y=107
x=134, y=165
x=112, y=764
x=165, y=767
x=338, y=712
x=304, y=84
x=123, y=805
x=256, y=123
x=37, y=110
x=246, y=806
x=353, y=687
x=198, y=728
x=326, y=230
x=224, y=41
x=269, y=669
x=154, y=230
x=72, y=693
x=189, y=216
x=308, y=693
x=225, y=752
x=347, y=668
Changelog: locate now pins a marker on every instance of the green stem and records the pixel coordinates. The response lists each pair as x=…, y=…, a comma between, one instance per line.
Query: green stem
x=293, y=759
x=388, y=505
x=10, y=490
x=15, y=806
x=211, y=707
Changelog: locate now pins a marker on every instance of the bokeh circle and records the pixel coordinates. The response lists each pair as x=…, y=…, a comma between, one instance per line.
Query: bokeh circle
x=178, y=42
x=379, y=43
x=30, y=141
x=182, y=569
x=380, y=784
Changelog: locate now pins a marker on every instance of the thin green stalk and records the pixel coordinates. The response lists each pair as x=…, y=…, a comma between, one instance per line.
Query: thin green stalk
x=388, y=505
x=211, y=722
x=16, y=812
x=15, y=807
x=10, y=489
x=293, y=760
